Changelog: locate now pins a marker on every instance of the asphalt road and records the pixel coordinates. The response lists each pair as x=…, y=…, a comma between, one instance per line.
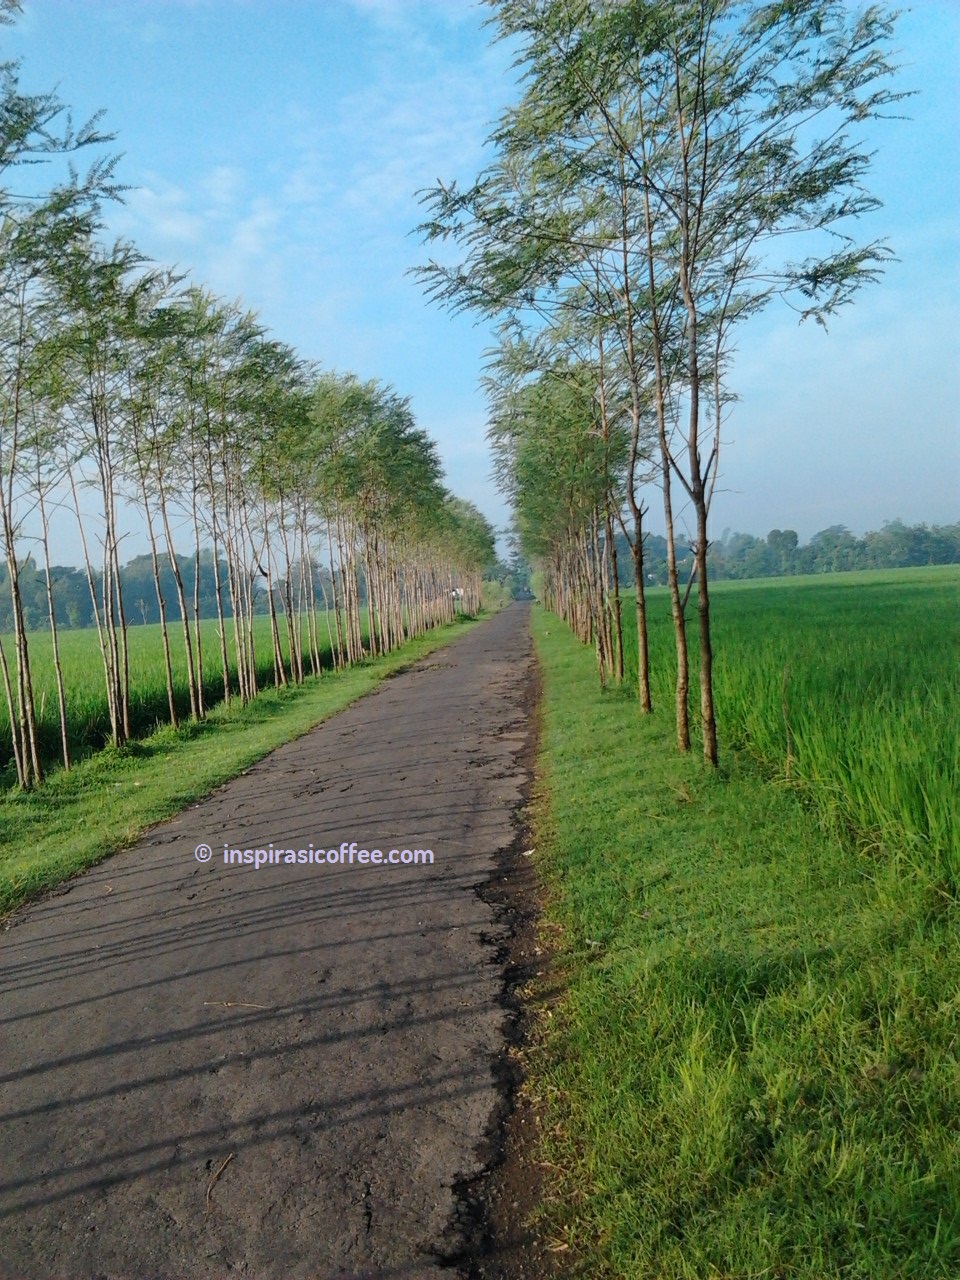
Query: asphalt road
x=211, y=1070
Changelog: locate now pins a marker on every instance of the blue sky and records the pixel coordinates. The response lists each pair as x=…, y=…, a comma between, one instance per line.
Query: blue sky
x=273, y=148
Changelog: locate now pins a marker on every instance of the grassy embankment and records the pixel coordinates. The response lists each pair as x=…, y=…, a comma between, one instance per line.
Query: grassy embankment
x=87, y=712
x=751, y=1070
x=111, y=796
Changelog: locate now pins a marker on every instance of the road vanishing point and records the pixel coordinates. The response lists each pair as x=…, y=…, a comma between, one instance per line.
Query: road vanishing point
x=211, y=1070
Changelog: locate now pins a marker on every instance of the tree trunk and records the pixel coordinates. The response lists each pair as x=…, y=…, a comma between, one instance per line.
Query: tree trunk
x=182, y=602
x=643, y=641
x=676, y=607
x=54, y=636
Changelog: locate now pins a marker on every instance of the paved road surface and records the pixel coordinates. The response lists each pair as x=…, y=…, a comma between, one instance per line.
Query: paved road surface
x=329, y=1032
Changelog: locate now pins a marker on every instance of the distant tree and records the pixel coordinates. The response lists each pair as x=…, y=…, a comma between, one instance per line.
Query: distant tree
x=783, y=546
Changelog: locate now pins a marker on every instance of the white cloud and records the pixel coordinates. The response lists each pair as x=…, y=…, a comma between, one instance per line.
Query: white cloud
x=393, y=13
x=223, y=187
x=163, y=209
x=254, y=233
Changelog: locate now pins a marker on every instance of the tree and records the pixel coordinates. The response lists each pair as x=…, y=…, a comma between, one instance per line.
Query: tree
x=120, y=388
x=722, y=127
x=38, y=224
x=561, y=468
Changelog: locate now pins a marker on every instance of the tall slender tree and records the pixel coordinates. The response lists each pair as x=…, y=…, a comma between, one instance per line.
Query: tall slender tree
x=673, y=147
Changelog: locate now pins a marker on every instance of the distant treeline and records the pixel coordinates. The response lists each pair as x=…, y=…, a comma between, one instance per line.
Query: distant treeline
x=779, y=554
x=736, y=555
x=74, y=603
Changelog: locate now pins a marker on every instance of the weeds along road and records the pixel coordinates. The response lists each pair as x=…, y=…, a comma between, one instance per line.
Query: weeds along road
x=211, y=1070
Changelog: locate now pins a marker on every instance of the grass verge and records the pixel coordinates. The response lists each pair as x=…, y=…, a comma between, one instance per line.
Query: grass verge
x=108, y=800
x=751, y=1070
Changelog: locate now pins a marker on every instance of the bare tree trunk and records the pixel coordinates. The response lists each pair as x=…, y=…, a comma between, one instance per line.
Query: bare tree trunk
x=636, y=509
x=26, y=712
x=251, y=641
x=221, y=620
x=198, y=639
x=54, y=636
x=279, y=665
x=217, y=577
x=330, y=636
x=643, y=639
x=235, y=581
x=23, y=722
x=110, y=637
x=14, y=719
x=249, y=576
x=29, y=744
x=313, y=627
x=115, y=623
x=666, y=462
x=611, y=546
x=162, y=606
x=101, y=638
x=368, y=582
x=695, y=480
x=124, y=649
x=338, y=652
x=181, y=600
x=294, y=632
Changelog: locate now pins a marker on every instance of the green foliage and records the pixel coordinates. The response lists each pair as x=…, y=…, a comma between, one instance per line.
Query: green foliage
x=88, y=713
x=846, y=687
x=495, y=595
x=751, y=1069
x=551, y=456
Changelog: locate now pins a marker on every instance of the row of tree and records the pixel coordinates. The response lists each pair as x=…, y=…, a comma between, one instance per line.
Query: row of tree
x=74, y=603
x=780, y=553
x=671, y=167
x=740, y=556
x=124, y=390
x=833, y=550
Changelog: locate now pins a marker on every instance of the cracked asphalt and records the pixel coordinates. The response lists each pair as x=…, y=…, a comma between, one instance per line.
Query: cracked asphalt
x=209, y=1071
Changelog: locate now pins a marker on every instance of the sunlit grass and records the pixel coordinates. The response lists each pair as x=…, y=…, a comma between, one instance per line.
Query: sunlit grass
x=847, y=686
x=751, y=1067
x=87, y=711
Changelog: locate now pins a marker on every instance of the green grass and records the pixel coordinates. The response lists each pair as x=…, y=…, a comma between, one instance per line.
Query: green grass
x=863, y=670
x=87, y=712
x=751, y=1067
x=109, y=798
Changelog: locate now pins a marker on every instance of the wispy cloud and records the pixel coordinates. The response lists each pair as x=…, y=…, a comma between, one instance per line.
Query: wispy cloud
x=165, y=211
x=223, y=188
x=406, y=12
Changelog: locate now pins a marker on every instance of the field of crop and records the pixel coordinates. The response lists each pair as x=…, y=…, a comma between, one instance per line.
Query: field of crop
x=848, y=686
x=87, y=711
x=747, y=1060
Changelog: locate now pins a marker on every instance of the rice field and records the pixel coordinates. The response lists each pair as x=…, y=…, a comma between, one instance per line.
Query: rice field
x=87, y=712
x=744, y=1062
x=846, y=686
x=747, y=1060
